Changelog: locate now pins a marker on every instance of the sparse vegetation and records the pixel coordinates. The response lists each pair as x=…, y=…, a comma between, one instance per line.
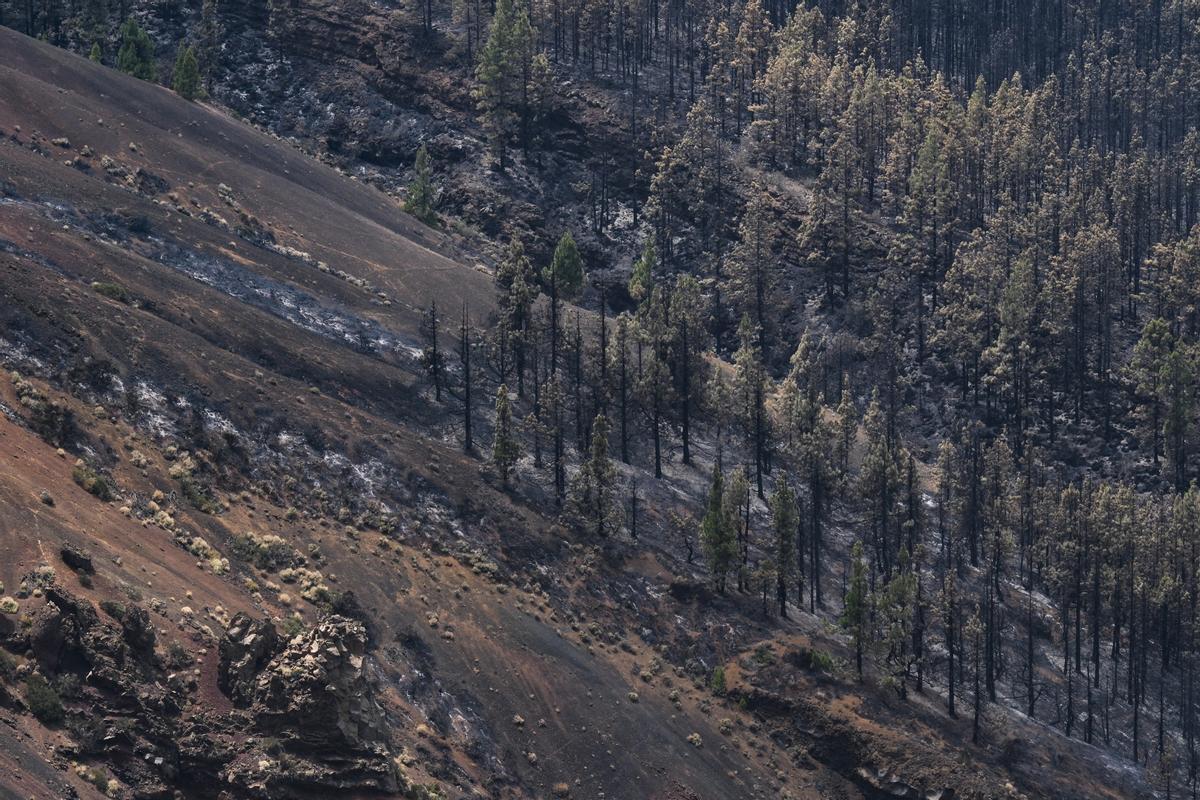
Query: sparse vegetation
x=178, y=657
x=716, y=682
x=92, y=482
x=265, y=551
x=48, y=419
x=113, y=291
x=292, y=626
x=43, y=701
x=198, y=495
x=113, y=608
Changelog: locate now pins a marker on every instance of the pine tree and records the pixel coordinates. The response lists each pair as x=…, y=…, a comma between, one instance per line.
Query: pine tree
x=210, y=38
x=654, y=386
x=432, y=357
x=751, y=393
x=505, y=447
x=835, y=212
x=878, y=485
x=502, y=76
x=563, y=278
x=466, y=359
x=566, y=269
x=752, y=48
x=930, y=218
x=691, y=185
x=538, y=98
x=186, y=78
x=554, y=409
x=784, y=522
x=688, y=343
x=789, y=90
x=595, y=500
x=973, y=632
x=517, y=290
x=1178, y=381
x=136, y=56
x=856, y=615
x=421, y=194
x=897, y=612
x=717, y=538
x=737, y=506
x=813, y=448
x=96, y=54
x=847, y=427
x=1145, y=370
x=949, y=615
x=751, y=269
x=642, y=279
x=622, y=380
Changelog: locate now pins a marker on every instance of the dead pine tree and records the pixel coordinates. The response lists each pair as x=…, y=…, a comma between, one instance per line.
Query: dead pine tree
x=465, y=356
x=431, y=356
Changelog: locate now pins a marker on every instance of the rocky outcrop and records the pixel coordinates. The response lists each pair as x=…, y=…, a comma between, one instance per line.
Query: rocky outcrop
x=62, y=635
x=315, y=698
x=246, y=648
x=77, y=560
x=67, y=636
x=317, y=693
x=137, y=631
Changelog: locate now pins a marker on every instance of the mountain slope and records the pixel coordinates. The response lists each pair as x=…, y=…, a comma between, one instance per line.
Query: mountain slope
x=242, y=354
x=216, y=408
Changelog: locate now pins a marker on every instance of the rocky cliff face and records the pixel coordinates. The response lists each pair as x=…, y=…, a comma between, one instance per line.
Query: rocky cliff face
x=245, y=649
x=316, y=695
x=313, y=699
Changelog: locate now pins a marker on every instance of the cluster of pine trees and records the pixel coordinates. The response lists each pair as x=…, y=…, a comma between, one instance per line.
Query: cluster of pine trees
x=996, y=244
x=107, y=32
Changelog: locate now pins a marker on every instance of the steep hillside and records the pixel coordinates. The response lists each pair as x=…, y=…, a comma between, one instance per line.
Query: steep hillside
x=245, y=551
x=167, y=343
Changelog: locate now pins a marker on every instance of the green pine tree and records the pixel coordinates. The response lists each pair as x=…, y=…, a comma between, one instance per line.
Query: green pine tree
x=186, y=78
x=897, y=608
x=501, y=75
x=717, y=537
x=642, y=279
x=96, y=54
x=594, y=489
x=856, y=615
x=420, y=191
x=565, y=272
x=785, y=519
x=505, y=447
x=136, y=56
